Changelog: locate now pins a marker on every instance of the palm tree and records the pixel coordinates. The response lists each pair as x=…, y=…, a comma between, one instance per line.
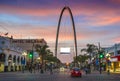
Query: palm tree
x=42, y=51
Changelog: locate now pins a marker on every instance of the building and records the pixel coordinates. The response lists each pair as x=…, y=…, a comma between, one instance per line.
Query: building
x=113, y=58
x=11, y=56
x=29, y=45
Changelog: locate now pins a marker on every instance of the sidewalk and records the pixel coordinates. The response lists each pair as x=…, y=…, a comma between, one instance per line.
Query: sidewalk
x=98, y=73
x=105, y=73
x=115, y=72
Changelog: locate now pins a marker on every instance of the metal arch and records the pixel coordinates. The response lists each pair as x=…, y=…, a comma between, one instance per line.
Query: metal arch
x=73, y=24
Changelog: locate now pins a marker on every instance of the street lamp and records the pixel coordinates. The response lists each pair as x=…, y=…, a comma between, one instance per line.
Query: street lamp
x=24, y=53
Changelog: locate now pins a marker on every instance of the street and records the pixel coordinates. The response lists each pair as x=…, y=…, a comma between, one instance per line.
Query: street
x=56, y=76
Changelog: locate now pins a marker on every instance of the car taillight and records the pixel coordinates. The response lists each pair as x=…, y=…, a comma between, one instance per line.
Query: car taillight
x=72, y=71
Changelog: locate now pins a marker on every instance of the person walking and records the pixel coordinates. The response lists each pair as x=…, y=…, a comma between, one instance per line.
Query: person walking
x=38, y=67
x=34, y=67
x=30, y=68
x=23, y=68
x=51, y=70
x=86, y=70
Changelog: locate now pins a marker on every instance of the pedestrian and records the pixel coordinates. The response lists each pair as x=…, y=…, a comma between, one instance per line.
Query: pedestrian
x=108, y=72
x=38, y=67
x=34, y=67
x=23, y=67
x=51, y=71
x=86, y=70
x=30, y=68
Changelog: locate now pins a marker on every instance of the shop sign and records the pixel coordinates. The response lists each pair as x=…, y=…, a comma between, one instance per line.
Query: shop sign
x=114, y=59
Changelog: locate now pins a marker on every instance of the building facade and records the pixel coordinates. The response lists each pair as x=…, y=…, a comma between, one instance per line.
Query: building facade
x=113, y=58
x=11, y=56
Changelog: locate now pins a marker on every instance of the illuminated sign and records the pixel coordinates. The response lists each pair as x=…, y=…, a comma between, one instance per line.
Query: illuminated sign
x=65, y=50
x=114, y=59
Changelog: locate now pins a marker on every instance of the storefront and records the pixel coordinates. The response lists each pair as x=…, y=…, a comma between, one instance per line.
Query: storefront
x=2, y=60
x=115, y=64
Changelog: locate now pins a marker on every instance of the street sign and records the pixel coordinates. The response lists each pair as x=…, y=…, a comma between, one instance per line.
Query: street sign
x=23, y=61
x=97, y=62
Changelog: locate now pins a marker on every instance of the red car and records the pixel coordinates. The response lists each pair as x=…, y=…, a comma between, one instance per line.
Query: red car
x=75, y=72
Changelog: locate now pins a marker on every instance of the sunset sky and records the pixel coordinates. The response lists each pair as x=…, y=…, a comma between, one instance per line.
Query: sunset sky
x=95, y=20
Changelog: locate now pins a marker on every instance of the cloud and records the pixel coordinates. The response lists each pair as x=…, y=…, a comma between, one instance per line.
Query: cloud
x=116, y=40
x=28, y=12
x=99, y=21
x=114, y=1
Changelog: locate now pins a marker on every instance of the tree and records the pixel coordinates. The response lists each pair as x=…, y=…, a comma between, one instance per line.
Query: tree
x=82, y=58
x=42, y=51
x=51, y=58
x=91, y=49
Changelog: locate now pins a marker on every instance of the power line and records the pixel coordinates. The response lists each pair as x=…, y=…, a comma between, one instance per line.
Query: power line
x=3, y=27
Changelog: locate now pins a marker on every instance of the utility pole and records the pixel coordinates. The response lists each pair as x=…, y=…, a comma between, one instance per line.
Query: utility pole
x=100, y=70
x=31, y=57
x=32, y=52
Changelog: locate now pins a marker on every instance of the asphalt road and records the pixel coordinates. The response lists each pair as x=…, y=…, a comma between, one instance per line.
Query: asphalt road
x=56, y=76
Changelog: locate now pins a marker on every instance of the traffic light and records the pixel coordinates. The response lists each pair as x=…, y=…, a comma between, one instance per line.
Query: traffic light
x=31, y=55
x=101, y=55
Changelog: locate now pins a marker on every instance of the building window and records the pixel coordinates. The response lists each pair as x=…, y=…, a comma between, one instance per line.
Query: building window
x=118, y=52
x=2, y=42
x=112, y=53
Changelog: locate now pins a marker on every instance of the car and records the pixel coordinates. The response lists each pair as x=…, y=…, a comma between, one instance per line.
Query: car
x=76, y=72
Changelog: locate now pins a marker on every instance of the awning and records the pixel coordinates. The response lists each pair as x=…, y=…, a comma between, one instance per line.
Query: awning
x=115, y=58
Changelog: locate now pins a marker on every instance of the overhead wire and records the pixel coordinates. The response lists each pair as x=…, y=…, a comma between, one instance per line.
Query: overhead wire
x=2, y=32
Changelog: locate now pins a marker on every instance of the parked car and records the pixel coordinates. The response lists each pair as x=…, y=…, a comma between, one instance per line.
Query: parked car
x=76, y=72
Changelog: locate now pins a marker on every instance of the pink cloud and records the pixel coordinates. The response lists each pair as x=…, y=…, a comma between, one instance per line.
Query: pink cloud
x=116, y=40
x=24, y=11
x=49, y=33
x=103, y=20
x=115, y=1
x=95, y=16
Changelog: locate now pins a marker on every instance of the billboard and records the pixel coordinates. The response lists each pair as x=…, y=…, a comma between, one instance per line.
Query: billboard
x=64, y=50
